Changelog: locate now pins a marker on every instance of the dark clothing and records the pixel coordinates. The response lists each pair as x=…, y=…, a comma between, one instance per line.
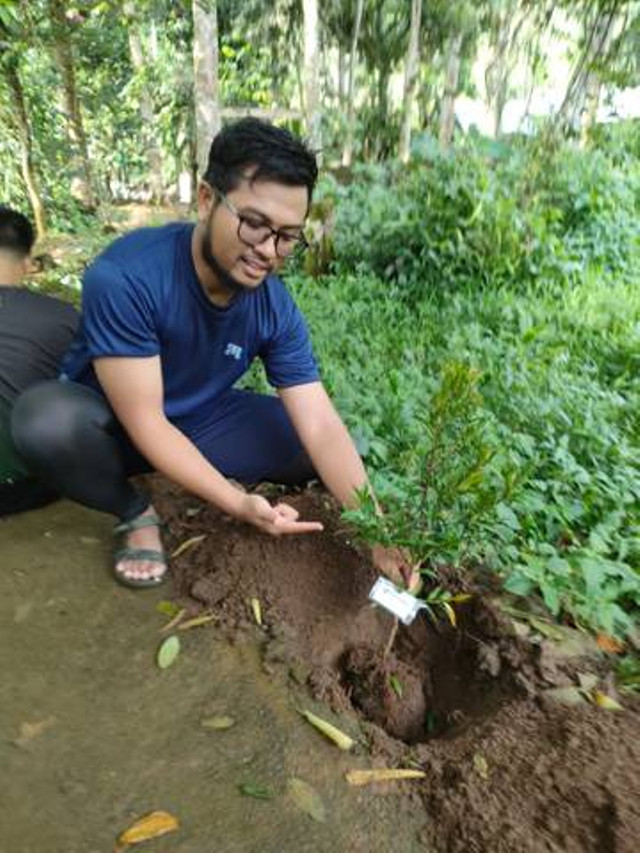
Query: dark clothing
x=35, y=332
x=73, y=440
x=142, y=298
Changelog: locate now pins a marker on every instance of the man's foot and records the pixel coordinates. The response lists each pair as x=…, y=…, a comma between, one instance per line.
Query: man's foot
x=141, y=563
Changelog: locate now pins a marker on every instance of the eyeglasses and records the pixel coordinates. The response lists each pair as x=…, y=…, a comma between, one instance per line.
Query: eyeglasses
x=253, y=231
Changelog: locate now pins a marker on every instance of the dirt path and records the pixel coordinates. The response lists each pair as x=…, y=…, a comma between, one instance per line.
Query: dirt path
x=93, y=734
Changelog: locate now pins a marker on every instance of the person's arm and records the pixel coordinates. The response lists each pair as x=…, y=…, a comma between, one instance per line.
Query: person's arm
x=326, y=440
x=135, y=391
x=337, y=463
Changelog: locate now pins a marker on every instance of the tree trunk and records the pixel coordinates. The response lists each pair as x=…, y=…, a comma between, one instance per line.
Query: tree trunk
x=447, y=111
x=206, y=91
x=340, y=89
x=593, y=82
x=63, y=51
x=154, y=155
x=410, y=79
x=312, y=73
x=23, y=127
x=347, y=153
x=498, y=71
x=596, y=43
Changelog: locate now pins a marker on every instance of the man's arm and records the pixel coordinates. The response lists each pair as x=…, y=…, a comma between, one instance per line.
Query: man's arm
x=326, y=440
x=135, y=390
x=338, y=464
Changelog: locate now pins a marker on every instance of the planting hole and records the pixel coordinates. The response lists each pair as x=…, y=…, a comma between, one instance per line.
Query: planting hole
x=433, y=682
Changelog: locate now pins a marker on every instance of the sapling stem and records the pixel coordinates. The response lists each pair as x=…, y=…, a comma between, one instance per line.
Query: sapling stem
x=391, y=640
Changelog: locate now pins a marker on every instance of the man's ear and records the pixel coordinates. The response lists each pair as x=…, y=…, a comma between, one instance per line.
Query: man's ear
x=206, y=200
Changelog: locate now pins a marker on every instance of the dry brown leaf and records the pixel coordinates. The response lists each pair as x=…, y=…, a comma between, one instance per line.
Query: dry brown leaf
x=150, y=826
x=173, y=622
x=30, y=731
x=188, y=543
x=196, y=622
x=382, y=774
x=306, y=799
x=609, y=644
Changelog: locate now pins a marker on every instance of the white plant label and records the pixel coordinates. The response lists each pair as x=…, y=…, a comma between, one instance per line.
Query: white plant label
x=400, y=603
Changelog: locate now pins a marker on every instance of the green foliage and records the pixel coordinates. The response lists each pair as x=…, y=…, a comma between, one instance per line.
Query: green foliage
x=558, y=424
x=440, y=503
x=519, y=214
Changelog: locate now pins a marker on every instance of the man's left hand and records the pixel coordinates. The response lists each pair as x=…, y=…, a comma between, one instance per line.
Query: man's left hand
x=396, y=564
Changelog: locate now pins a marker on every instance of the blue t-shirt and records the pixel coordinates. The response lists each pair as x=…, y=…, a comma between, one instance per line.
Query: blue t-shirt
x=142, y=298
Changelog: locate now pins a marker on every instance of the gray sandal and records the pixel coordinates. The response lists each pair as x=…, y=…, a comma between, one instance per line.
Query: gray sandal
x=147, y=554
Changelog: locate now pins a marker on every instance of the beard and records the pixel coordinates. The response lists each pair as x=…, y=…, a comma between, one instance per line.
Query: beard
x=223, y=276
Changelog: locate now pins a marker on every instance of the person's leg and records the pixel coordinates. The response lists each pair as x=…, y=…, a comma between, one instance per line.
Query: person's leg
x=251, y=439
x=25, y=494
x=68, y=435
x=19, y=490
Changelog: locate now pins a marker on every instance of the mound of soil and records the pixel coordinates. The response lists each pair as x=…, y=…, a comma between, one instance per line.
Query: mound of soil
x=508, y=769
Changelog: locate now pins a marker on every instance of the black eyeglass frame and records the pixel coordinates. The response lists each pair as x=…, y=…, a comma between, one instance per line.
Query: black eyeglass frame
x=300, y=242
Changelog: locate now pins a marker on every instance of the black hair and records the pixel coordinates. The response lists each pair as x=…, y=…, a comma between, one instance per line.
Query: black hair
x=16, y=232
x=271, y=153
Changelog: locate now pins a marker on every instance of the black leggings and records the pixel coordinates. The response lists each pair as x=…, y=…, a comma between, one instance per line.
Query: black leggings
x=71, y=439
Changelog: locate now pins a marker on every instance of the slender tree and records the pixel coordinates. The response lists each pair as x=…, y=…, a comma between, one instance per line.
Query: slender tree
x=599, y=23
x=147, y=113
x=347, y=153
x=312, y=73
x=410, y=79
x=20, y=119
x=205, y=76
x=452, y=77
x=63, y=52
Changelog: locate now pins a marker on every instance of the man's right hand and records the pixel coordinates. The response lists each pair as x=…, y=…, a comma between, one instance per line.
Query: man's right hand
x=277, y=520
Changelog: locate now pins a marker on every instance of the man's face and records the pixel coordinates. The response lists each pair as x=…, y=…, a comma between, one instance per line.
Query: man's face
x=235, y=264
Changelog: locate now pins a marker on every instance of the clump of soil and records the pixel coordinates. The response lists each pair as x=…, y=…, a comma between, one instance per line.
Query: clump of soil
x=387, y=691
x=507, y=769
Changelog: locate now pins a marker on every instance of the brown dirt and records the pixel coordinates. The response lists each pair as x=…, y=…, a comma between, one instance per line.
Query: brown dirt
x=508, y=770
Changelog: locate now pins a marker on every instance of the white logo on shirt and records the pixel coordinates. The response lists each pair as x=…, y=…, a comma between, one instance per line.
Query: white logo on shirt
x=233, y=351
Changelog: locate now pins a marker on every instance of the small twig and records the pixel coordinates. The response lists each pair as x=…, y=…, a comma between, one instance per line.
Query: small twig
x=391, y=640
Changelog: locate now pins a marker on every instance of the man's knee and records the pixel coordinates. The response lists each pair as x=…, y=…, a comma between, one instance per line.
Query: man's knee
x=49, y=420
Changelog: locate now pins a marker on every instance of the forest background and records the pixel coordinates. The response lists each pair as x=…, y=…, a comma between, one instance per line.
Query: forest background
x=473, y=297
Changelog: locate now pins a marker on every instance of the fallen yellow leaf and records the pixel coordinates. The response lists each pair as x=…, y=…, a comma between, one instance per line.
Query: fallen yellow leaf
x=606, y=702
x=341, y=740
x=382, y=774
x=150, y=826
x=256, y=609
x=188, y=543
x=451, y=613
x=480, y=765
x=218, y=724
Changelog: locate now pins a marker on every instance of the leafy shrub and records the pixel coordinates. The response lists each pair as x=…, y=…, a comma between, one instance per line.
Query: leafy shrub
x=537, y=214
